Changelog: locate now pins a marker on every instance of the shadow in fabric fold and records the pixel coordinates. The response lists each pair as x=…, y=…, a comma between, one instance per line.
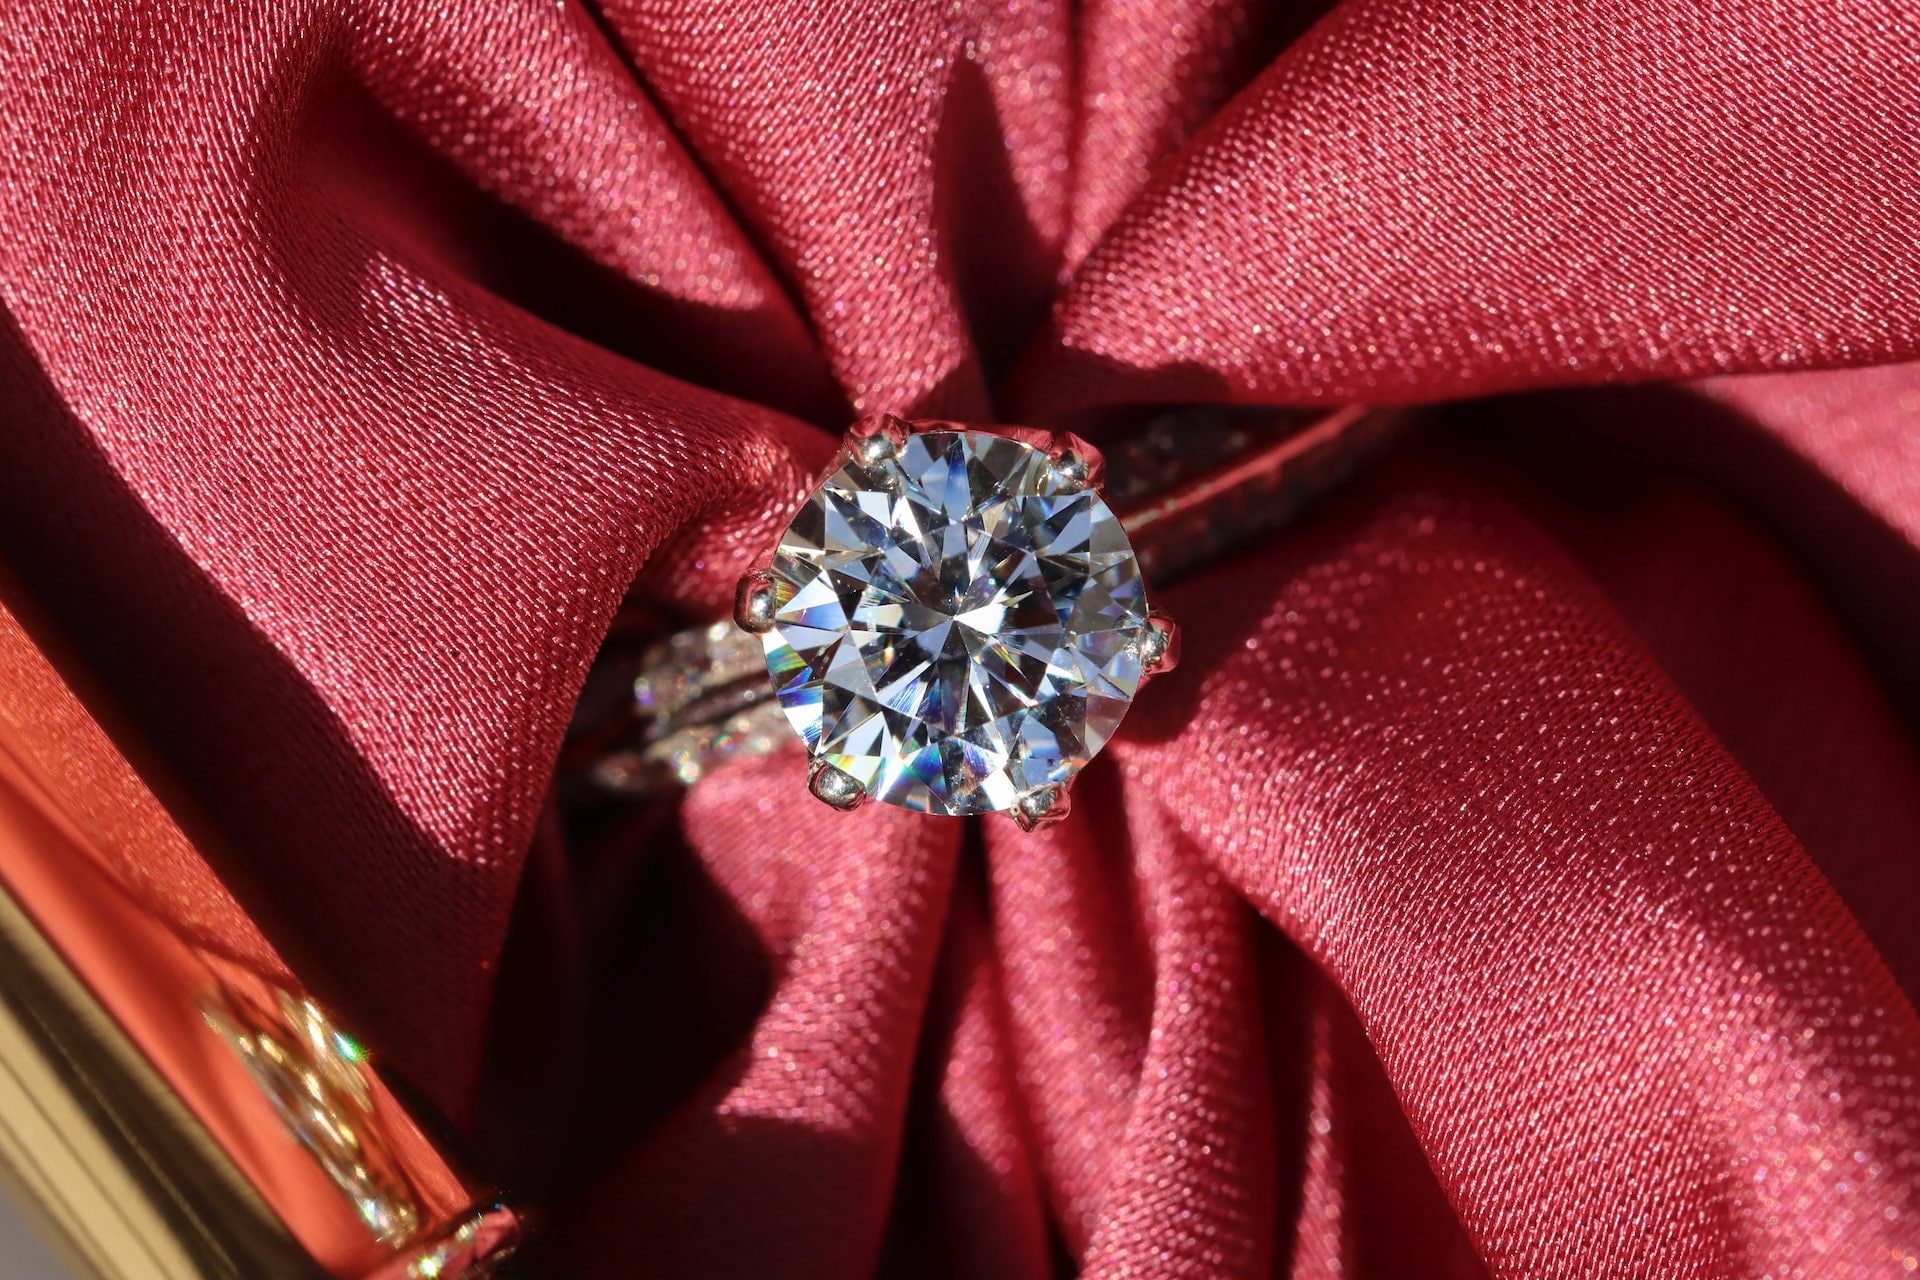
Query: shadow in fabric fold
x=1357, y=1195
x=348, y=156
x=967, y=1201
x=1001, y=265
x=628, y=978
x=1771, y=598
x=1867, y=572
x=1072, y=390
x=246, y=734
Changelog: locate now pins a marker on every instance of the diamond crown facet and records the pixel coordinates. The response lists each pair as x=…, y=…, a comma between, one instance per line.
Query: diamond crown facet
x=957, y=622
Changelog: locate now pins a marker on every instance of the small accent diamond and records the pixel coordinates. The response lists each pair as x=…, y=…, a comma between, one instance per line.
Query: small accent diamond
x=956, y=623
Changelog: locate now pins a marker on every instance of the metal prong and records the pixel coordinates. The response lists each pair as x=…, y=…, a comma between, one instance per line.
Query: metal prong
x=1070, y=472
x=1077, y=465
x=754, y=603
x=1042, y=806
x=836, y=787
x=875, y=440
x=874, y=451
x=1159, y=645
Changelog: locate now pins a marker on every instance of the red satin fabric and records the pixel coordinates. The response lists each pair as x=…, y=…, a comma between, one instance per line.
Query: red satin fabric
x=1517, y=878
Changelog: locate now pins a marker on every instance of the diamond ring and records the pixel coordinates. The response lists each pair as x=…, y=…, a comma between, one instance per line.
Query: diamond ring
x=957, y=618
x=955, y=621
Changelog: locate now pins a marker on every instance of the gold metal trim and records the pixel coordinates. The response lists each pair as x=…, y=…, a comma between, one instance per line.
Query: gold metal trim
x=127, y=1184
x=173, y=1103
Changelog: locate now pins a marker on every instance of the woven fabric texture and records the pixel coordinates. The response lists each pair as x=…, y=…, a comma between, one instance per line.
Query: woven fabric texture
x=1518, y=878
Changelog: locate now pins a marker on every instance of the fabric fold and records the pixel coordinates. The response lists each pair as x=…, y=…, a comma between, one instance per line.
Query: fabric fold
x=1635, y=1030
x=872, y=178
x=789, y=1151
x=345, y=526
x=359, y=359
x=574, y=144
x=1416, y=204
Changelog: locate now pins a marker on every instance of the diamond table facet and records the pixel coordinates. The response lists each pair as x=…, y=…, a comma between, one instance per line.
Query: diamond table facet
x=957, y=625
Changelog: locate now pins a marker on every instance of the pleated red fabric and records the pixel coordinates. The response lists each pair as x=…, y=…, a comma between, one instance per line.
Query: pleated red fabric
x=1517, y=878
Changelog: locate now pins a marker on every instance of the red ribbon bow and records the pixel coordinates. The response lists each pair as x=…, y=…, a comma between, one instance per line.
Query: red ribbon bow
x=1517, y=878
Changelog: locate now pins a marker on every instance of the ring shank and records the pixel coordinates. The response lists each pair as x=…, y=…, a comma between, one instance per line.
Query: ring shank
x=1189, y=487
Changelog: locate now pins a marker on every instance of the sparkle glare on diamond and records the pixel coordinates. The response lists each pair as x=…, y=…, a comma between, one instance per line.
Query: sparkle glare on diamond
x=955, y=628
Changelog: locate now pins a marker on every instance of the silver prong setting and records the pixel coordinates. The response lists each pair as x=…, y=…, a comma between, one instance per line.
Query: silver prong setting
x=755, y=605
x=1159, y=645
x=874, y=452
x=1042, y=806
x=875, y=440
x=1071, y=473
x=1077, y=465
x=835, y=787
